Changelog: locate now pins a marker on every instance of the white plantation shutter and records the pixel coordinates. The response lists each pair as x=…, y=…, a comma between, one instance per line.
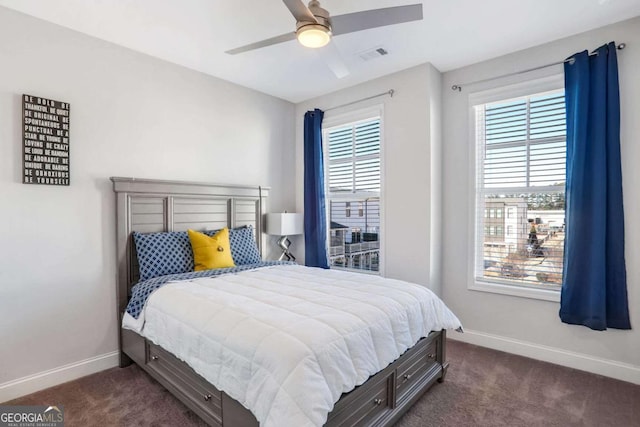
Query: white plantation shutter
x=523, y=141
x=354, y=157
x=367, y=175
x=520, y=164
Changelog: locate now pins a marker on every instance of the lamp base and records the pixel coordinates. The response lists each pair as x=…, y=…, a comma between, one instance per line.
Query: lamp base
x=284, y=244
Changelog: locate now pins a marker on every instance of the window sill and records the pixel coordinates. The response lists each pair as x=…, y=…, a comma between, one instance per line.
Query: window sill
x=516, y=291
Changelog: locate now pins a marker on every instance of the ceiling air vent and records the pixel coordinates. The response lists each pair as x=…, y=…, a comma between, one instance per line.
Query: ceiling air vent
x=369, y=54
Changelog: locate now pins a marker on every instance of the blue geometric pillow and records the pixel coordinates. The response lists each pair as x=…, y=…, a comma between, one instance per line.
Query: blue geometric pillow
x=244, y=249
x=160, y=254
x=243, y=246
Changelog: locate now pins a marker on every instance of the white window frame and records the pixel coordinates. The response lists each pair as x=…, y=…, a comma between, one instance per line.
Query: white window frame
x=547, y=84
x=340, y=117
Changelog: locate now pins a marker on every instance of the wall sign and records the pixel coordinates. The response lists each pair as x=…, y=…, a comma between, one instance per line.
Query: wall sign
x=45, y=141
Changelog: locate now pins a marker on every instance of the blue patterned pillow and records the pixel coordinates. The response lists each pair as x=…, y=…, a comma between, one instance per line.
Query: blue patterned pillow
x=243, y=246
x=160, y=254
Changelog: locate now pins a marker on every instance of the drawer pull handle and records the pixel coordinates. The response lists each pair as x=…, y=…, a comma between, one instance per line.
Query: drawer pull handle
x=431, y=356
x=406, y=377
x=207, y=397
x=154, y=357
x=378, y=402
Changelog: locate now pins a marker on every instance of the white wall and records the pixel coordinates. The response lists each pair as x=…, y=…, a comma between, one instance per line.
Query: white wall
x=131, y=115
x=410, y=148
x=529, y=326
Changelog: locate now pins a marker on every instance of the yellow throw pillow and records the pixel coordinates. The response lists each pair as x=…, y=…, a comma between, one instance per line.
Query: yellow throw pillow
x=211, y=252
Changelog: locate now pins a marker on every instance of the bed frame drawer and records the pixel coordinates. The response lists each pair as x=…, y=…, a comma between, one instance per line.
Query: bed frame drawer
x=365, y=409
x=186, y=382
x=416, y=369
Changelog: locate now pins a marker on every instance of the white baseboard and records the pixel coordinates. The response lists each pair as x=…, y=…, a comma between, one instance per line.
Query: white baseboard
x=606, y=367
x=36, y=382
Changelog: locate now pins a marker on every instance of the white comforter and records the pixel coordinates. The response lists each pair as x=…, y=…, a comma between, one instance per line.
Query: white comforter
x=287, y=341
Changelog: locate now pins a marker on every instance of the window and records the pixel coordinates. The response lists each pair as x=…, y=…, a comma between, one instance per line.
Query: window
x=520, y=168
x=353, y=178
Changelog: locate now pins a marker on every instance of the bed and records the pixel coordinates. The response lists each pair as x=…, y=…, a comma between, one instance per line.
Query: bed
x=381, y=395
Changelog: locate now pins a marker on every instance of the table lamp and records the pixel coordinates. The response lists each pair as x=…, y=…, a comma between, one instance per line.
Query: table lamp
x=284, y=224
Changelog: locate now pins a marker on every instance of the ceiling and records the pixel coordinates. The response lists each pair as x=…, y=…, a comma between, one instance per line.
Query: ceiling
x=196, y=33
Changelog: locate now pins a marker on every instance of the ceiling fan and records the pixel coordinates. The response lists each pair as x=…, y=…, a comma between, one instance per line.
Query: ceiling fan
x=315, y=27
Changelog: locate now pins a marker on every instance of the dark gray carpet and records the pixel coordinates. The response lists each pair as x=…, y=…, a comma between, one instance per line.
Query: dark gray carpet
x=483, y=388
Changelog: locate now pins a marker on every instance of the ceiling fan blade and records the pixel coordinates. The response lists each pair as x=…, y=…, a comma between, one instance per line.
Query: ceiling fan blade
x=263, y=43
x=299, y=11
x=358, y=21
x=332, y=57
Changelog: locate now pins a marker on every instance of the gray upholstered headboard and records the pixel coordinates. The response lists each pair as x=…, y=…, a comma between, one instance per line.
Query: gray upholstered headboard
x=147, y=205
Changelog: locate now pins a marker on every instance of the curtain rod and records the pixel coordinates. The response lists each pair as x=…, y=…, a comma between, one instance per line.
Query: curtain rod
x=458, y=87
x=390, y=92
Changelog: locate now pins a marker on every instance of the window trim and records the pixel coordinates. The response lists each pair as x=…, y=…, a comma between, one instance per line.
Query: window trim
x=343, y=116
x=527, y=88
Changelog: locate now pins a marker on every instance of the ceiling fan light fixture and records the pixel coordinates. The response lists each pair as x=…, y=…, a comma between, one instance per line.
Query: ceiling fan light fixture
x=313, y=35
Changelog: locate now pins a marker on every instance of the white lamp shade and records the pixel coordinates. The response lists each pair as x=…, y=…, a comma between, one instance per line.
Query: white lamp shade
x=284, y=224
